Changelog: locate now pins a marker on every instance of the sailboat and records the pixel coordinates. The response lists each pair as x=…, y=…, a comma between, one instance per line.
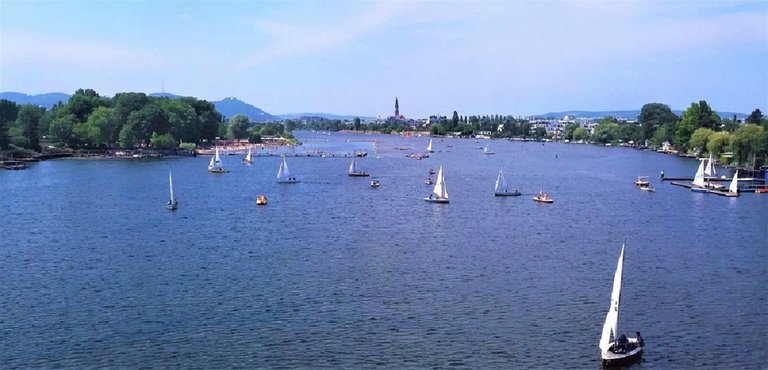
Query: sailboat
x=354, y=171
x=439, y=193
x=215, y=165
x=711, y=171
x=429, y=147
x=284, y=175
x=733, y=189
x=698, y=179
x=248, y=157
x=172, y=203
x=487, y=150
x=502, y=189
x=615, y=349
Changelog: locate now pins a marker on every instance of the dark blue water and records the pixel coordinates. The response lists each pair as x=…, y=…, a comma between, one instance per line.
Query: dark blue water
x=95, y=272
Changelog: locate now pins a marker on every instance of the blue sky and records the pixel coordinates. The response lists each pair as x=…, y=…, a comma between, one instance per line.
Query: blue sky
x=355, y=57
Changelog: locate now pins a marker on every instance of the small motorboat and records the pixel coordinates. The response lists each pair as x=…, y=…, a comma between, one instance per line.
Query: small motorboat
x=375, y=183
x=642, y=181
x=647, y=187
x=428, y=181
x=261, y=200
x=543, y=198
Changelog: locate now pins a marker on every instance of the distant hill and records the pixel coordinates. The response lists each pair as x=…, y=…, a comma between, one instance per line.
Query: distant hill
x=323, y=115
x=43, y=100
x=230, y=107
x=628, y=114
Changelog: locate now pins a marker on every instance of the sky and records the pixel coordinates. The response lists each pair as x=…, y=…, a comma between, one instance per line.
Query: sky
x=354, y=57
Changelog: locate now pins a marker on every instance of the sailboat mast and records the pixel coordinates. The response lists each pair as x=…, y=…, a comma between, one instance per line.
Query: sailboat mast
x=170, y=183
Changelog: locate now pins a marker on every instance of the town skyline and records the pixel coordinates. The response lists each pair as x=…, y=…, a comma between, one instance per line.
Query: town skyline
x=346, y=57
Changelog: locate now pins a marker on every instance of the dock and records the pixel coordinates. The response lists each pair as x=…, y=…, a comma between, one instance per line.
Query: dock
x=713, y=191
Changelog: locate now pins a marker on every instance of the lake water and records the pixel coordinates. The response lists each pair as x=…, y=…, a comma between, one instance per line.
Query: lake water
x=95, y=272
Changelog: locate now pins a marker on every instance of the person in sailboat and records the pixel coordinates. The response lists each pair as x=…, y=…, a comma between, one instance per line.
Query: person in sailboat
x=640, y=340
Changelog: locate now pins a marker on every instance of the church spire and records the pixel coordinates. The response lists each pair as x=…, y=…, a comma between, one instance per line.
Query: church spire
x=397, y=108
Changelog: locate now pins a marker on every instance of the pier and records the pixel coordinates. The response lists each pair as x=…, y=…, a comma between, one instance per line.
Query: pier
x=713, y=191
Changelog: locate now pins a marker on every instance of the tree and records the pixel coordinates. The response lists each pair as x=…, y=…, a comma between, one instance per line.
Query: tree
x=355, y=124
x=183, y=120
x=746, y=143
x=61, y=128
x=127, y=137
x=717, y=142
x=606, y=131
x=83, y=102
x=151, y=118
x=9, y=111
x=455, y=119
x=699, y=138
x=707, y=118
x=29, y=121
x=755, y=118
x=102, y=126
x=238, y=127
x=437, y=129
x=652, y=117
x=165, y=141
x=580, y=134
x=568, y=131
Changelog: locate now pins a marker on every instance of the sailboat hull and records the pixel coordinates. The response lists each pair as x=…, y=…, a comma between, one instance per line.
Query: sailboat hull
x=617, y=359
x=172, y=207
x=288, y=181
x=436, y=200
x=507, y=193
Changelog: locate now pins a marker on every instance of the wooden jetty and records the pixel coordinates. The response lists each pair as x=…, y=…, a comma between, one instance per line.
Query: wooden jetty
x=713, y=191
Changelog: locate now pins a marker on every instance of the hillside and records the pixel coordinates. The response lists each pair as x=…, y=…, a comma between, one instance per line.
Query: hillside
x=44, y=100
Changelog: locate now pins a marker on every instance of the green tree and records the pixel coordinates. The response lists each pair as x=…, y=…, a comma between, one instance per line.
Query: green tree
x=569, y=130
x=61, y=128
x=652, y=117
x=437, y=129
x=103, y=129
x=151, y=118
x=238, y=127
x=664, y=133
x=29, y=121
x=183, y=120
x=746, y=143
x=355, y=124
x=755, y=118
x=83, y=102
x=717, y=142
x=455, y=119
x=606, y=131
x=699, y=138
x=580, y=134
x=9, y=111
x=165, y=141
x=706, y=117
x=127, y=137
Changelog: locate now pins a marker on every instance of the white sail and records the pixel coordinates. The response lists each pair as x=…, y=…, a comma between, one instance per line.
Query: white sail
x=611, y=325
x=249, y=156
x=283, y=173
x=501, y=183
x=217, y=158
x=440, y=191
x=487, y=150
x=353, y=166
x=698, y=179
x=734, y=187
x=170, y=184
x=429, y=146
x=710, y=169
x=212, y=163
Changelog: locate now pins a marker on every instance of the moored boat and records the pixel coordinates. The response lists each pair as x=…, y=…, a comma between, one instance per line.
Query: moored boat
x=543, y=197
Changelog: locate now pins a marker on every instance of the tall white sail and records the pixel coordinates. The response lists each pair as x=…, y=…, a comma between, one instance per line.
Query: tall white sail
x=283, y=173
x=249, y=156
x=170, y=183
x=353, y=166
x=501, y=182
x=611, y=325
x=734, y=187
x=440, y=191
x=429, y=146
x=698, y=179
x=710, y=169
x=217, y=158
x=212, y=163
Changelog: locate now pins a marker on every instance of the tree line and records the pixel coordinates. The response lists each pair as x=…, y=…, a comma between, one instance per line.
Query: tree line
x=127, y=120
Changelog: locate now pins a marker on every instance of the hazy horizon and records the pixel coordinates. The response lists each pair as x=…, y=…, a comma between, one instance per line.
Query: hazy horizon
x=350, y=57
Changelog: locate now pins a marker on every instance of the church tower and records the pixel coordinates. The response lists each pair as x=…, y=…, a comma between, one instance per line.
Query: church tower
x=397, y=108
